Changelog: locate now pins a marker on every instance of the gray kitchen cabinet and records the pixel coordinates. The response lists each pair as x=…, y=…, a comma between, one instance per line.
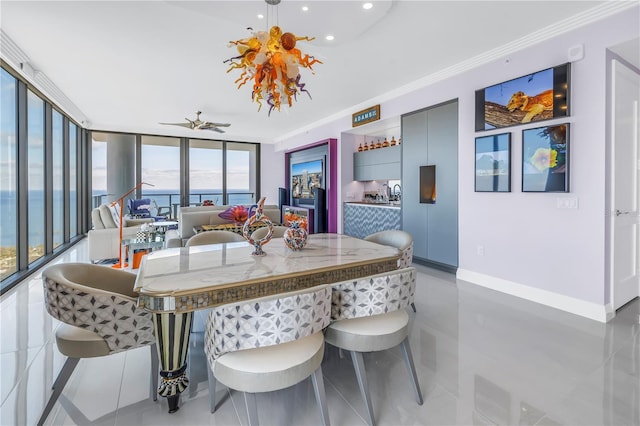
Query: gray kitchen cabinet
x=377, y=164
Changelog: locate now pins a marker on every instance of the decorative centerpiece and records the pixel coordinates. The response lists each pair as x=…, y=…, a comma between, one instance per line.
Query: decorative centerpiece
x=236, y=214
x=295, y=237
x=144, y=234
x=258, y=216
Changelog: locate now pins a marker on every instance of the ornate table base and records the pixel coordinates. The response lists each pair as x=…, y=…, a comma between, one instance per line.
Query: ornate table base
x=172, y=336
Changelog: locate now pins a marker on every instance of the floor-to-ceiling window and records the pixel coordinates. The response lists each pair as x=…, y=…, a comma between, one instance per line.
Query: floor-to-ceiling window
x=73, y=180
x=40, y=164
x=160, y=167
x=36, y=178
x=98, y=170
x=241, y=169
x=40, y=159
x=58, y=179
x=178, y=172
x=8, y=182
x=205, y=171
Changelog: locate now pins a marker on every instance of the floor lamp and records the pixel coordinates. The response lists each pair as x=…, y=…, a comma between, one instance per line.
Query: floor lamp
x=121, y=263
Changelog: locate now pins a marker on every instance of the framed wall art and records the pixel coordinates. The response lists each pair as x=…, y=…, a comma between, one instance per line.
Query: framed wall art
x=493, y=163
x=540, y=96
x=306, y=176
x=545, y=159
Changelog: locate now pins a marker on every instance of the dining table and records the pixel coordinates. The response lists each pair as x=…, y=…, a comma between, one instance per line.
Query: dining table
x=174, y=283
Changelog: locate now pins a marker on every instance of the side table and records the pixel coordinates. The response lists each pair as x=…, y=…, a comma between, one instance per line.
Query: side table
x=161, y=227
x=137, y=248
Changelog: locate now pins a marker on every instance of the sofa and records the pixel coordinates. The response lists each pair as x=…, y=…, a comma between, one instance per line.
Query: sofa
x=207, y=215
x=104, y=237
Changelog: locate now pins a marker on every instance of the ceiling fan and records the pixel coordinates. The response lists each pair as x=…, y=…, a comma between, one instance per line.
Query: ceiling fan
x=198, y=124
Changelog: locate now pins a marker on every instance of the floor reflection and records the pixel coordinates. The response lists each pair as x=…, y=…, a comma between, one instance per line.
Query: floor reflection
x=482, y=358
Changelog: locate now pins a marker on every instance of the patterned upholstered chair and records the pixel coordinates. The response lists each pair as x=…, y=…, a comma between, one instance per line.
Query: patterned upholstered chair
x=401, y=240
x=268, y=344
x=97, y=307
x=368, y=315
x=214, y=237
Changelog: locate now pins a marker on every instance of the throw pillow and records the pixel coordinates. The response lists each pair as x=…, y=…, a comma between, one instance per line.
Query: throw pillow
x=96, y=219
x=107, y=218
x=115, y=214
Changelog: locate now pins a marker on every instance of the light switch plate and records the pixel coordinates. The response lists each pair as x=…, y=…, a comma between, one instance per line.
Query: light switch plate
x=567, y=202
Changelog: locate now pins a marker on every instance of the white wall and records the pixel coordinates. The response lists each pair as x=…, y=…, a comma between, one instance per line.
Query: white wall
x=271, y=173
x=531, y=248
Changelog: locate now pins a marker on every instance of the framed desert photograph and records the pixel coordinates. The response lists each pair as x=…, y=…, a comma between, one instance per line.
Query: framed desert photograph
x=493, y=163
x=545, y=159
x=540, y=96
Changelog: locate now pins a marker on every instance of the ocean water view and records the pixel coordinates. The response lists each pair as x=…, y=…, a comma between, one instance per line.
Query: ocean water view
x=163, y=198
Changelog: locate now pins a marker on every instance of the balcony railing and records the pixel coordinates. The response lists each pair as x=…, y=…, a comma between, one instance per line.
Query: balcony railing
x=162, y=203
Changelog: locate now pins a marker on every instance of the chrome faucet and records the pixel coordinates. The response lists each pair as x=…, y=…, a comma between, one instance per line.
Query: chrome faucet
x=385, y=191
x=398, y=194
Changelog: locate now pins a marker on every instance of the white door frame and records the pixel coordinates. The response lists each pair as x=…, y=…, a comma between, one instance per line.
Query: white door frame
x=610, y=176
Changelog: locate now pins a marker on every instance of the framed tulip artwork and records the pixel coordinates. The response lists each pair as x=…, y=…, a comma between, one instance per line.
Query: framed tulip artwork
x=545, y=159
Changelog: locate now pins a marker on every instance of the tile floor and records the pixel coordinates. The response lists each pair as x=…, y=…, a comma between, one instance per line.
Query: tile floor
x=482, y=358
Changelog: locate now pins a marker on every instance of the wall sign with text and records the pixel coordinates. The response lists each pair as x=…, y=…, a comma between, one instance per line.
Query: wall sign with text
x=365, y=116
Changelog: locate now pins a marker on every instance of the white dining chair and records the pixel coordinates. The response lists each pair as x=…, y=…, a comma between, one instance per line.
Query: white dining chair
x=214, y=237
x=369, y=315
x=99, y=314
x=399, y=239
x=267, y=344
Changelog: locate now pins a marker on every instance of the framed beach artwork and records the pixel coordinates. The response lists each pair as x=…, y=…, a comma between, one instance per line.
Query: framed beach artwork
x=543, y=95
x=545, y=159
x=493, y=163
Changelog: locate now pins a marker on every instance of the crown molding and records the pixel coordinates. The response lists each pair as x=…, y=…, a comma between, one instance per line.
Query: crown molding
x=596, y=13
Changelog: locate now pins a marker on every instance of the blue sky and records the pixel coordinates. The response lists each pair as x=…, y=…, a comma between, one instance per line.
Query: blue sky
x=539, y=82
x=310, y=167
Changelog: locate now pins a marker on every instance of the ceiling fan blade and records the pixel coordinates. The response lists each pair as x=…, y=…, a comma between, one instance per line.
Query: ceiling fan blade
x=207, y=125
x=198, y=124
x=188, y=125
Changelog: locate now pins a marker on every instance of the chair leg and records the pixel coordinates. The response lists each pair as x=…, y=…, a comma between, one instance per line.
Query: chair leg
x=155, y=372
x=321, y=398
x=358, y=365
x=413, y=306
x=212, y=389
x=252, y=408
x=411, y=369
x=62, y=379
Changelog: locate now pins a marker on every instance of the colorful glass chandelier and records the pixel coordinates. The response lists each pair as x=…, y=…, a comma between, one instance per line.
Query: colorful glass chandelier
x=271, y=62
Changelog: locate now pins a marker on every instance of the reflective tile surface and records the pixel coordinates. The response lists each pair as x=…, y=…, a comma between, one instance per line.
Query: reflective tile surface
x=483, y=358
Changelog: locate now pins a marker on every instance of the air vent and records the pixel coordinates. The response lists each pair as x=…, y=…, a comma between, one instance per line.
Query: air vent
x=19, y=60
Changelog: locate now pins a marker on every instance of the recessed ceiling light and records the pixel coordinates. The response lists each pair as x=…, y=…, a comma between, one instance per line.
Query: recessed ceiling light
x=260, y=16
x=330, y=37
x=367, y=5
x=305, y=8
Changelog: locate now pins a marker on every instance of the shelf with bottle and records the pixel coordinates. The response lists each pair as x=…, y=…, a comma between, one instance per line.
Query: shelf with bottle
x=378, y=145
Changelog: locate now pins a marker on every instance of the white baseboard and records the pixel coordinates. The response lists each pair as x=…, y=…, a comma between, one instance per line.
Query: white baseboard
x=601, y=313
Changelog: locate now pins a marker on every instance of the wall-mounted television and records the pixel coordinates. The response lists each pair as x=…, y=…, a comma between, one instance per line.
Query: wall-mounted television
x=427, y=184
x=542, y=95
x=306, y=176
